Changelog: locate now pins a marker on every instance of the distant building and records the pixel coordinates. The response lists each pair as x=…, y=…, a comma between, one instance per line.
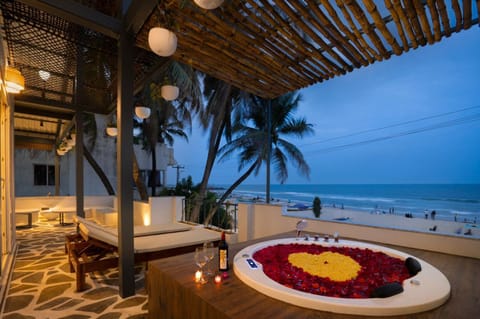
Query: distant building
x=35, y=169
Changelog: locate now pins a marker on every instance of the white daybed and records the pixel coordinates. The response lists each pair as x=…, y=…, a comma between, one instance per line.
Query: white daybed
x=94, y=247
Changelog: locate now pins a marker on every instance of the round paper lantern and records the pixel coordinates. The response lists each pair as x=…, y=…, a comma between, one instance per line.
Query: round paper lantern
x=162, y=42
x=208, y=4
x=169, y=92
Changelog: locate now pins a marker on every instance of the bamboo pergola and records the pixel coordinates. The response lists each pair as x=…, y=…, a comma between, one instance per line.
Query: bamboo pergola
x=265, y=47
x=271, y=47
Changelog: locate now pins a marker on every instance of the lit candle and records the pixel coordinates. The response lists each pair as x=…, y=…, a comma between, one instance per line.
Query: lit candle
x=198, y=276
x=218, y=279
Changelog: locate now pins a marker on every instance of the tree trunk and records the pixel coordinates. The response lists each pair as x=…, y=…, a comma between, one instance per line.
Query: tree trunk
x=230, y=190
x=99, y=171
x=212, y=155
x=141, y=188
x=153, y=174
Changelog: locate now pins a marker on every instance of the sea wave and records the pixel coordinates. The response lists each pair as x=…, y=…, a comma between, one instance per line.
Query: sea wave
x=453, y=200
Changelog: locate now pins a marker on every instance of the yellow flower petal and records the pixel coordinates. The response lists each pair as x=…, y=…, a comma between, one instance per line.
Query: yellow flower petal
x=335, y=266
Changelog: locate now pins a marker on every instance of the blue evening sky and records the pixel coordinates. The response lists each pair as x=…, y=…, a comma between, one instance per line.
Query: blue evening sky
x=422, y=111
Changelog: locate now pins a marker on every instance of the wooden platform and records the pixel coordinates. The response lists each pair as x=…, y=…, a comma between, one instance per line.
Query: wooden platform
x=174, y=294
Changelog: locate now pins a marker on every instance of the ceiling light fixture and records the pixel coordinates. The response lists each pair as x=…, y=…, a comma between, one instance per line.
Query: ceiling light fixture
x=169, y=92
x=142, y=112
x=162, y=42
x=111, y=131
x=14, y=80
x=44, y=75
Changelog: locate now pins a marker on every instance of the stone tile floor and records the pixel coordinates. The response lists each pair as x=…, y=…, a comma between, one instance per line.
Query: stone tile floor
x=41, y=285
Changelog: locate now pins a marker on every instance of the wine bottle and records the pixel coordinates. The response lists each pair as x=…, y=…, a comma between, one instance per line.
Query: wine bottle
x=223, y=254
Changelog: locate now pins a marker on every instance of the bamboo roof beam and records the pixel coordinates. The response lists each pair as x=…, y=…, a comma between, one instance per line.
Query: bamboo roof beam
x=425, y=25
x=343, y=28
x=437, y=33
x=278, y=46
x=478, y=12
x=444, y=16
x=467, y=14
x=367, y=27
x=313, y=35
x=210, y=49
x=405, y=21
x=398, y=24
x=329, y=67
x=233, y=73
x=458, y=15
x=298, y=63
x=240, y=41
x=336, y=37
x=412, y=17
x=319, y=22
x=357, y=33
x=381, y=26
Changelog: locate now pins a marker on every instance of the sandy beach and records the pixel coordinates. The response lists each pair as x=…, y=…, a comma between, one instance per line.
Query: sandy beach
x=392, y=221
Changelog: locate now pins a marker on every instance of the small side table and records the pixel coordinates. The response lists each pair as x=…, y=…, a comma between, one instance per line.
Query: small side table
x=29, y=213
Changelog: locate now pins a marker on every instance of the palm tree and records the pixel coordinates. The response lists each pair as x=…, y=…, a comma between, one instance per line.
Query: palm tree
x=169, y=119
x=222, y=99
x=251, y=138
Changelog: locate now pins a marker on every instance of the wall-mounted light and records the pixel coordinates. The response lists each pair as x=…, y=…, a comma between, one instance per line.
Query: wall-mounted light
x=14, y=80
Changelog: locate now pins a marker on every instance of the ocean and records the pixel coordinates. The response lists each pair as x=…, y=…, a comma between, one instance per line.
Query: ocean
x=450, y=201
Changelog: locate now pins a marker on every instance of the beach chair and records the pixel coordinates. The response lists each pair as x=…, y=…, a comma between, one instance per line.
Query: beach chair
x=95, y=247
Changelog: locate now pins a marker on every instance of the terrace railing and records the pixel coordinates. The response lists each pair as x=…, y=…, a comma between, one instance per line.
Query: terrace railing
x=225, y=218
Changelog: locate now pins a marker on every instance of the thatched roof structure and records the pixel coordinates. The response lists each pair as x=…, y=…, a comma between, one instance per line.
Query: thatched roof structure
x=265, y=47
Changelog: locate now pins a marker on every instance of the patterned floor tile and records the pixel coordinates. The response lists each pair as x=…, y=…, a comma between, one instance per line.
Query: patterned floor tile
x=41, y=285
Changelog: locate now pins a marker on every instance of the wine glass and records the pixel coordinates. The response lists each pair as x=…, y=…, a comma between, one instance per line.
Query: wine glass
x=210, y=253
x=201, y=260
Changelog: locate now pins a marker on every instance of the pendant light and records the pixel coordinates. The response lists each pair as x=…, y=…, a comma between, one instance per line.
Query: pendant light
x=142, y=112
x=162, y=42
x=169, y=92
x=208, y=4
x=112, y=131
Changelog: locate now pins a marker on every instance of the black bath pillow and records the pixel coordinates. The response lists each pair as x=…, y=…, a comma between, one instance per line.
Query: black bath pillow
x=413, y=266
x=387, y=290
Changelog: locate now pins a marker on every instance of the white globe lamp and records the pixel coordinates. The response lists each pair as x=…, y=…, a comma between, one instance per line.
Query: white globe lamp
x=208, y=4
x=162, y=42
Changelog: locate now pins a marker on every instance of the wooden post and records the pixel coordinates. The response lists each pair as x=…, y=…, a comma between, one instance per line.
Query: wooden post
x=79, y=190
x=125, y=164
x=269, y=150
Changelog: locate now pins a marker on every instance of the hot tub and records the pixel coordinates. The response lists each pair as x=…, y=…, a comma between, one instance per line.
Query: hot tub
x=426, y=290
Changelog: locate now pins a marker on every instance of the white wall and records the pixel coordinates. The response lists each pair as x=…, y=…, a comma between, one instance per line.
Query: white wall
x=260, y=220
x=25, y=159
x=104, y=154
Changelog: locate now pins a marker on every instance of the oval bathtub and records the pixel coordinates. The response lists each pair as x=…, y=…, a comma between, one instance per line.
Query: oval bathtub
x=426, y=290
